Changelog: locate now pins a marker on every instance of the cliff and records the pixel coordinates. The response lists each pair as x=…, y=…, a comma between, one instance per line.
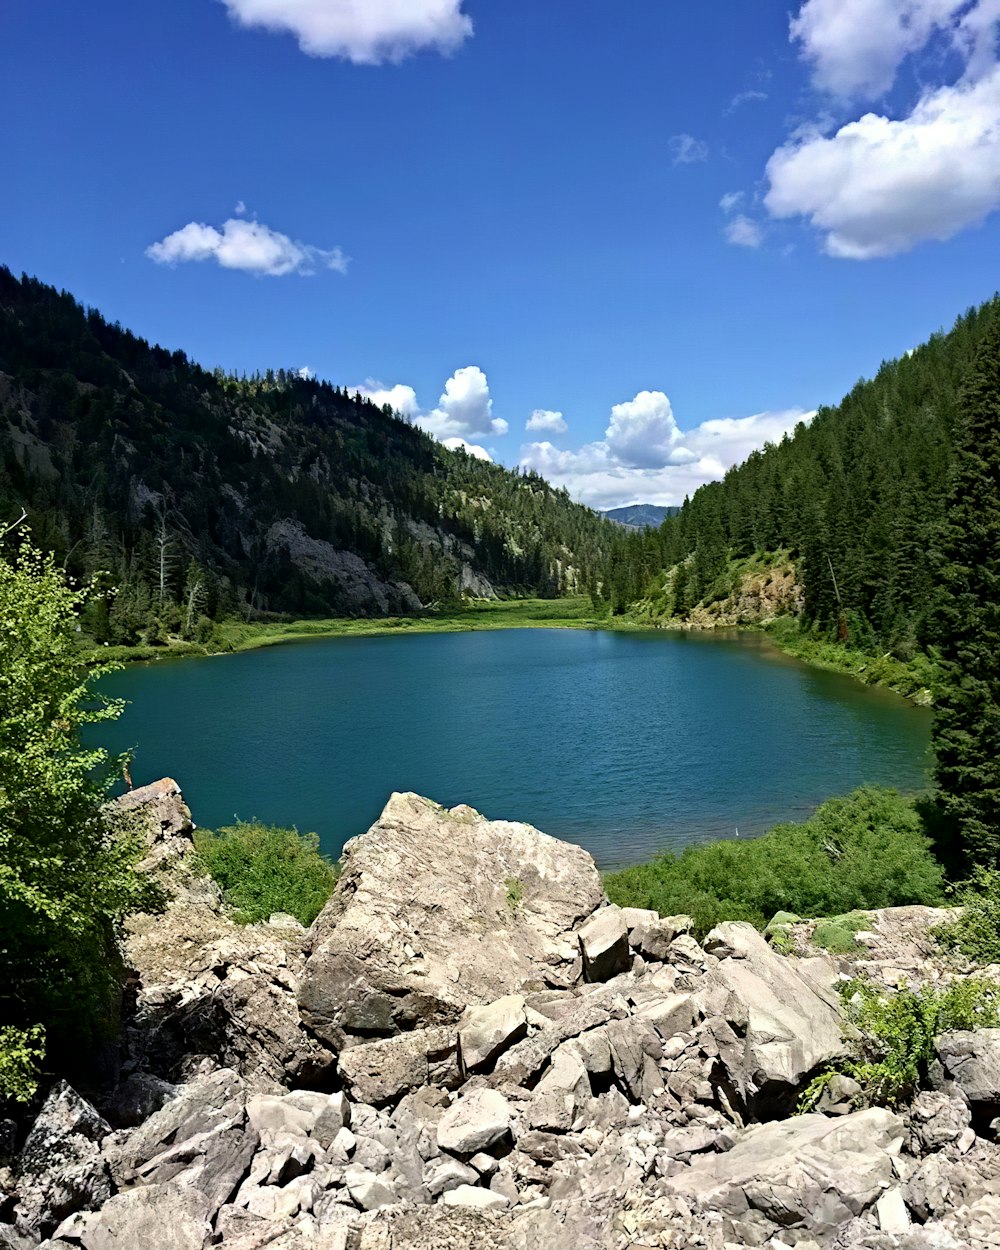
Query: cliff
x=471, y=1048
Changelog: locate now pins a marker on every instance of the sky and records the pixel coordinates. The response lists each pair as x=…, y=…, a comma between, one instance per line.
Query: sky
x=621, y=243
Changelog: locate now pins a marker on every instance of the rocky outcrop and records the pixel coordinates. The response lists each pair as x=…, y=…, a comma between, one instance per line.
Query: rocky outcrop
x=436, y=910
x=500, y=1060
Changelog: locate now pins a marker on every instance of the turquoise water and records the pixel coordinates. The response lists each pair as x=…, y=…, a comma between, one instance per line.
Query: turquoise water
x=625, y=743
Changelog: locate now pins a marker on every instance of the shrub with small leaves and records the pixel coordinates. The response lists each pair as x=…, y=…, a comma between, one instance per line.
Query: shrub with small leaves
x=21, y=1051
x=976, y=931
x=263, y=869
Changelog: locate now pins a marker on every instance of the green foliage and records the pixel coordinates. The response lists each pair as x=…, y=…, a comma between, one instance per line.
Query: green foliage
x=856, y=853
x=515, y=892
x=894, y=1032
x=263, y=869
x=976, y=931
x=836, y=934
x=67, y=878
x=21, y=1051
x=967, y=619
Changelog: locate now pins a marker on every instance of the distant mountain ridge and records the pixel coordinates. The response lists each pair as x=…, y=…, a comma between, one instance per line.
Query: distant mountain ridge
x=204, y=495
x=641, y=515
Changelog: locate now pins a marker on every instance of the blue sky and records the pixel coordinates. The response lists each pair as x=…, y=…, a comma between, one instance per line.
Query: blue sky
x=679, y=226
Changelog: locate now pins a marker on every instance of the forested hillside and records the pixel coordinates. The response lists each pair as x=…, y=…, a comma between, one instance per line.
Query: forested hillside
x=203, y=495
x=857, y=499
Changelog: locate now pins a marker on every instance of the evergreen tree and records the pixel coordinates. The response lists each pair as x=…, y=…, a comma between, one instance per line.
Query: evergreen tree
x=967, y=619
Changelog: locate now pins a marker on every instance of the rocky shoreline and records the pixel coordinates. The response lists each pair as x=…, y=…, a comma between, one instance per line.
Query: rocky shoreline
x=471, y=1048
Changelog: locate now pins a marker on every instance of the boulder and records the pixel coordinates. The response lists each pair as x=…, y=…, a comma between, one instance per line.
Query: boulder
x=62, y=1167
x=787, y=1012
x=438, y=910
x=154, y=1217
x=164, y=820
x=810, y=1171
x=604, y=943
x=475, y=1122
x=971, y=1058
x=486, y=1032
x=382, y=1072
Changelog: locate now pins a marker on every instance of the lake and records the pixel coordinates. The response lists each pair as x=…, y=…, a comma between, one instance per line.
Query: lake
x=627, y=743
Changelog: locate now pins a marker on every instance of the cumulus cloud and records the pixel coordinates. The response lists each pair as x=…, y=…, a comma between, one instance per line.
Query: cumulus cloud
x=366, y=32
x=542, y=420
x=465, y=409
x=645, y=458
x=743, y=231
x=731, y=201
x=687, y=150
x=470, y=449
x=305, y=373
x=401, y=399
x=879, y=186
x=245, y=245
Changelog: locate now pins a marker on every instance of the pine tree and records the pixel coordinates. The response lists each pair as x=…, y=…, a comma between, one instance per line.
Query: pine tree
x=967, y=618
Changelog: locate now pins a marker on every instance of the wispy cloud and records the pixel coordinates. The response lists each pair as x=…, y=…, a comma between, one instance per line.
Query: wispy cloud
x=687, y=150
x=249, y=246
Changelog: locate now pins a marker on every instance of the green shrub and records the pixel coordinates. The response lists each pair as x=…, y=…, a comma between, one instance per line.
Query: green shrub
x=976, y=932
x=856, y=853
x=893, y=1034
x=263, y=869
x=67, y=878
x=836, y=934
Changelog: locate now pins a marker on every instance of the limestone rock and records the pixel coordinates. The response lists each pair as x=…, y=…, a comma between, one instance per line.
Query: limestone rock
x=486, y=1032
x=788, y=1011
x=604, y=942
x=164, y=820
x=481, y=1199
x=475, y=1122
x=437, y=910
x=972, y=1060
x=810, y=1170
x=153, y=1217
x=383, y=1071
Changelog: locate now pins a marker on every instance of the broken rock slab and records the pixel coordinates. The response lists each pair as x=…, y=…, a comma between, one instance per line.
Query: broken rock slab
x=604, y=943
x=475, y=1122
x=439, y=910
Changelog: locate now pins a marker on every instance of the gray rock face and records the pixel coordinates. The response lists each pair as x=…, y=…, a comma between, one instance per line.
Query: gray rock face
x=809, y=1170
x=383, y=1071
x=438, y=910
x=477, y=1121
x=604, y=942
x=155, y=1217
x=788, y=1012
x=972, y=1060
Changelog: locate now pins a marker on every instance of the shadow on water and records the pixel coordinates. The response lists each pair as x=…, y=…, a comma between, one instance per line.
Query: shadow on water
x=626, y=743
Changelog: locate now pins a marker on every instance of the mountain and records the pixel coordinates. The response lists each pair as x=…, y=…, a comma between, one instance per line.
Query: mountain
x=204, y=494
x=856, y=499
x=641, y=515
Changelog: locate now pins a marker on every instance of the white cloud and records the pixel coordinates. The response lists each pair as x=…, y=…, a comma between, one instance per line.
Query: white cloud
x=471, y=449
x=542, y=420
x=879, y=186
x=305, y=373
x=463, y=414
x=465, y=409
x=367, y=32
x=246, y=245
x=731, y=201
x=240, y=209
x=743, y=231
x=746, y=97
x=856, y=46
x=645, y=458
x=401, y=399
x=687, y=150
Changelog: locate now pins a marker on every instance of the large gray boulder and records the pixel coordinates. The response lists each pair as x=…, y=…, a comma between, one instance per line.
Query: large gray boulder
x=436, y=910
x=809, y=1171
x=786, y=1016
x=156, y=1217
x=971, y=1058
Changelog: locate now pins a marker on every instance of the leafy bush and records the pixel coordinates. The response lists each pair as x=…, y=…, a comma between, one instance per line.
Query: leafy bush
x=263, y=869
x=894, y=1034
x=856, y=853
x=976, y=932
x=67, y=878
x=836, y=934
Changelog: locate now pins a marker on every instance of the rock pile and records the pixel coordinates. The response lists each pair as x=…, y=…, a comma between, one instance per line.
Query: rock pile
x=473, y=1048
